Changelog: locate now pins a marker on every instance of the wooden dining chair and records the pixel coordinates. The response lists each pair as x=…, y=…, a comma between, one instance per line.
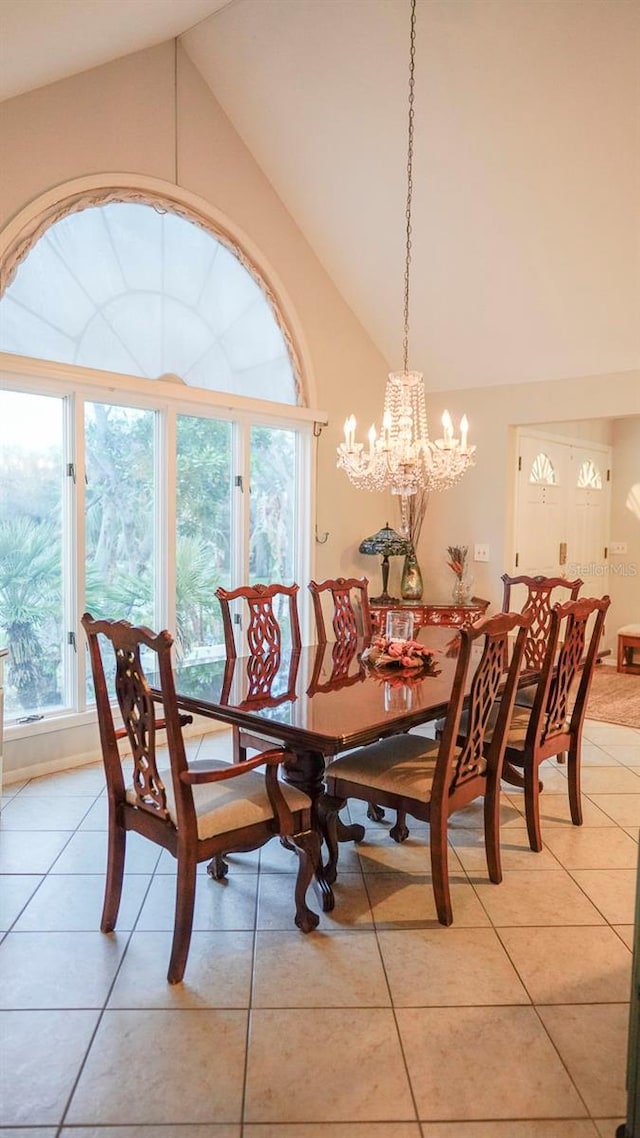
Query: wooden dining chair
x=350, y=614
x=269, y=609
x=541, y=594
x=196, y=811
x=552, y=725
x=431, y=779
x=350, y=618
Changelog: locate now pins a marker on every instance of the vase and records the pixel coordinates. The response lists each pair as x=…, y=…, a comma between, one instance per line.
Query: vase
x=411, y=585
x=461, y=591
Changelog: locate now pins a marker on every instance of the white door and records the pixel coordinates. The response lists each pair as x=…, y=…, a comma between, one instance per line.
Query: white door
x=588, y=531
x=562, y=503
x=541, y=514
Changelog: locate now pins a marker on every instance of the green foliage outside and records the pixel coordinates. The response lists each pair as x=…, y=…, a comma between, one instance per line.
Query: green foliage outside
x=120, y=536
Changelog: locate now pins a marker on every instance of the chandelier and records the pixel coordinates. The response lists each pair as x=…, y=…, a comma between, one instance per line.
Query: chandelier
x=401, y=457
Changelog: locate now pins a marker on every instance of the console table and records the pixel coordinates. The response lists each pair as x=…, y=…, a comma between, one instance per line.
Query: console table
x=424, y=613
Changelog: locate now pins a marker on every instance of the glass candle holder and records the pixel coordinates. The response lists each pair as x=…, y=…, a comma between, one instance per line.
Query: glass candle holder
x=399, y=625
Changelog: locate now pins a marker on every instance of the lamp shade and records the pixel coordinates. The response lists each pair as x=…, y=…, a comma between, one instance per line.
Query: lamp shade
x=386, y=541
x=390, y=544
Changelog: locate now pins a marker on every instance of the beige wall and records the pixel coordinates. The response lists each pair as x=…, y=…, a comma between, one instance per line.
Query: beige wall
x=122, y=118
x=624, y=574
x=480, y=508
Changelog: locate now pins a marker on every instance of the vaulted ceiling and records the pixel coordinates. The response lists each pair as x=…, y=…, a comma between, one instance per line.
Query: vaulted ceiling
x=526, y=180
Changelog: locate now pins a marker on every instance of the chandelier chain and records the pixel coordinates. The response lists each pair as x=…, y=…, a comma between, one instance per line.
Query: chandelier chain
x=401, y=457
x=407, y=262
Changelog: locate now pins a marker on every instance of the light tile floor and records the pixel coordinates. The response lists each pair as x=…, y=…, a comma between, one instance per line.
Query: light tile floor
x=382, y=1024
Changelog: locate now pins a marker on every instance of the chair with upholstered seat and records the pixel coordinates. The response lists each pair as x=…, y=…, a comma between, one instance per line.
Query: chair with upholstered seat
x=196, y=811
x=552, y=726
x=271, y=610
x=430, y=780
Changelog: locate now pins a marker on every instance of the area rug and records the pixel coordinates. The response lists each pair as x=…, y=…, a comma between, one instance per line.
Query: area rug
x=614, y=697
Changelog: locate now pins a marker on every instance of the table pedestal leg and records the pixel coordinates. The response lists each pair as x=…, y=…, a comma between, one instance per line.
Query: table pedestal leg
x=306, y=771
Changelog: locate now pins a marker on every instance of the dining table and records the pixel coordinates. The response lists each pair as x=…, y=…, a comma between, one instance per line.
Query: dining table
x=317, y=702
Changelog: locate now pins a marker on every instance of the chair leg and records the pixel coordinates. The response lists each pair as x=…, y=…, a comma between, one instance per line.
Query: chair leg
x=183, y=922
x=573, y=776
x=114, y=878
x=218, y=868
x=307, y=847
x=440, y=870
x=532, y=806
x=492, y=831
x=400, y=831
x=375, y=813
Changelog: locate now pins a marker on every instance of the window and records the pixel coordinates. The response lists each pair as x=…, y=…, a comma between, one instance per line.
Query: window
x=542, y=471
x=589, y=477
x=134, y=289
x=122, y=495
x=204, y=530
x=32, y=613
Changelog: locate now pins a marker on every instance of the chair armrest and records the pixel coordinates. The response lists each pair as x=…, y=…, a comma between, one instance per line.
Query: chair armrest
x=121, y=733
x=271, y=758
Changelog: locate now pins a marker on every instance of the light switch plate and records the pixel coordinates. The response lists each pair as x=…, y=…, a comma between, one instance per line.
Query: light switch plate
x=481, y=553
x=617, y=547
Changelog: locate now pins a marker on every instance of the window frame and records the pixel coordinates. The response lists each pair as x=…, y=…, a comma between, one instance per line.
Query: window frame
x=167, y=399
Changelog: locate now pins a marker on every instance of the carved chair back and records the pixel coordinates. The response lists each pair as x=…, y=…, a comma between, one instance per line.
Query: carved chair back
x=538, y=601
x=571, y=648
x=465, y=755
x=350, y=615
x=270, y=608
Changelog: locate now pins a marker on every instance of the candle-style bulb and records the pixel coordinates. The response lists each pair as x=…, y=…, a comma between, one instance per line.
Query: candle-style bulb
x=464, y=431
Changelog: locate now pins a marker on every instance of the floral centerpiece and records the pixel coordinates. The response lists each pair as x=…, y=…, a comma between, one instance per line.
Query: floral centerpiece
x=384, y=653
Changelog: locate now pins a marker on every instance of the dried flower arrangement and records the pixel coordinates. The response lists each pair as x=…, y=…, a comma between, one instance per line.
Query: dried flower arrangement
x=416, y=508
x=458, y=559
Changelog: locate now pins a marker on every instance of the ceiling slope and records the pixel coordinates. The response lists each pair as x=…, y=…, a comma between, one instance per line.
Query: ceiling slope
x=525, y=260
x=525, y=246
x=42, y=41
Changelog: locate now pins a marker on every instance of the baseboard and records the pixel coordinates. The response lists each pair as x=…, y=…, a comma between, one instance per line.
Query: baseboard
x=201, y=726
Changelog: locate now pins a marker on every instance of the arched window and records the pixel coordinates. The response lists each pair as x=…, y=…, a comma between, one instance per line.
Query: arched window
x=128, y=496
x=589, y=477
x=542, y=471
x=134, y=288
